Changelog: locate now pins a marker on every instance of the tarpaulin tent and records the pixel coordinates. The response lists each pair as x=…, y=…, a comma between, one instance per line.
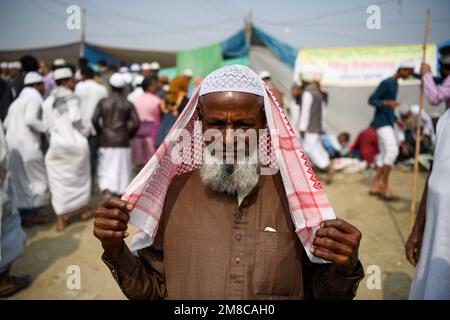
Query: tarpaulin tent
x=93, y=52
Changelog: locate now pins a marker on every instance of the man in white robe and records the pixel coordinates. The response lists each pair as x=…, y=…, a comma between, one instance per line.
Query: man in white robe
x=67, y=158
x=12, y=237
x=116, y=121
x=90, y=93
x=311, y=124
x=24, y=127
x=428, y=246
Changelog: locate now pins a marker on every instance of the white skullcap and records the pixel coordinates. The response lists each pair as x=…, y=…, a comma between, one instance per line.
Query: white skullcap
x=188, y=73
x=155, y=66
x=137, y=80
x=407, y=64
x=236, y=78
x=62, y=73
x=32, y=77
x=4, y=65
x=146, y=66
x=124, y=69
x=15, y=65
x=117, y=80
x=135, y=67
x=404, y=109
x=59, y=62
x=264, y=74
x=415, y=109
x=310, y=76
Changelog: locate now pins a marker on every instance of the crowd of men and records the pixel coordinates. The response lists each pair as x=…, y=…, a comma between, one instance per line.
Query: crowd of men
x=72, y=129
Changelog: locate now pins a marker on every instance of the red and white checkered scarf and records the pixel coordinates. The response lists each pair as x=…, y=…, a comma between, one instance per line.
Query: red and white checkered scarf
x=279, y=149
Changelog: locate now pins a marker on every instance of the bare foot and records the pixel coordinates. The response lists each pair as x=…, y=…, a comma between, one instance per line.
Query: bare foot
x=60, y=223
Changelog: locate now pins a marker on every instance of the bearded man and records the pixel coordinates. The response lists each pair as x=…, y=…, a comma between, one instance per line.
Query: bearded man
x=227, y=227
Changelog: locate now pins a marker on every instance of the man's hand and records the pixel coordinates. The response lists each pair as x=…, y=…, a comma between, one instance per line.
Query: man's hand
x=338, y=241
x=110, y=224
x=425, y=68
x=401, y=125
x=413, y=245
x=390, y=104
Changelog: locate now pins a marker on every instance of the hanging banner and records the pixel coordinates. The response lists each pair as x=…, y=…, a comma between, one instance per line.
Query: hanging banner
x=364, y=66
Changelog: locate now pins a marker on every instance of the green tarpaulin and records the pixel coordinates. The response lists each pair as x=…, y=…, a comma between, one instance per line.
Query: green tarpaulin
x=201, y=60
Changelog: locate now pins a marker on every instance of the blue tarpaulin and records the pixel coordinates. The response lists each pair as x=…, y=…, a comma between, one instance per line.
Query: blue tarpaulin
x=236, y=46
x=93, y=55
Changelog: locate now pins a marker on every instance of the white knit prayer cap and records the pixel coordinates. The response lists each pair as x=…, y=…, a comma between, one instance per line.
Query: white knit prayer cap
x=32, y=77
x=124, y=69
x=117, y=80
x=237, y=78
x=146, y=66
x=264, y=74
x=407, y=64
x=188, y=73
x=4, y=65
x=310, y=74
x=135, y=67
x=59, y=62
x=15, y=65
x=404, y=109
x=62, y=73
x=155, y=66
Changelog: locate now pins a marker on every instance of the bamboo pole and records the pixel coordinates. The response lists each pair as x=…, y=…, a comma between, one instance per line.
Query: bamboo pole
x=412, y=212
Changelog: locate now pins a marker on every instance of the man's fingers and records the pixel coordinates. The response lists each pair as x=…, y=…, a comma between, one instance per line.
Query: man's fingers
x=411, y=255
x=330, y=256
x=109, y=224
x=109, y=234
x=333, y=246
x=341, y=225
x=113, y=214
x=117, y=203
x=336, y=235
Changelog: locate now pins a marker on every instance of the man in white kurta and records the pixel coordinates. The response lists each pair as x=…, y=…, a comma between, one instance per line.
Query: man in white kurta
x=432, y=275
x=90, y=93
x=23, y=134
x=12, y=237
x=311, y=123
x=428, y=245
x=67, y=158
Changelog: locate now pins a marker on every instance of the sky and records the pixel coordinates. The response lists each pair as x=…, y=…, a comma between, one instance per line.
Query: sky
x=183, y=24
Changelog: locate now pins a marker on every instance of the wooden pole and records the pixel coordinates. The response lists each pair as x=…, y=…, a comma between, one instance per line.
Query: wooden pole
x=83, y=31
x=412, y=212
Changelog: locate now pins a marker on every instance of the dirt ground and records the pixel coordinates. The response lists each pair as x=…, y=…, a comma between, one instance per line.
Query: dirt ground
x=384, y=226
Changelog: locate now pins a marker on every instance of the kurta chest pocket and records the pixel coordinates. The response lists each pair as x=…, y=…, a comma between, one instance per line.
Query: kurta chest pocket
x=277, y=269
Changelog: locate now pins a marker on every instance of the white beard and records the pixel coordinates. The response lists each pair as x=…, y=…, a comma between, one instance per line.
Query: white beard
x=228, y=178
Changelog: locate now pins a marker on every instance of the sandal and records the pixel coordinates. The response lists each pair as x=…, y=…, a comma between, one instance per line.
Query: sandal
x=18, y=283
